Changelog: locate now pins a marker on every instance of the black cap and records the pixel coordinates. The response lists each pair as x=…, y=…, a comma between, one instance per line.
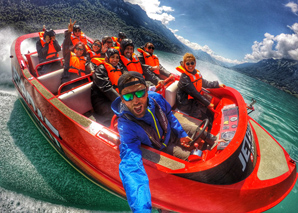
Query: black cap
x=76, y=27
x=110, y=52
x=49, y=32
x=128, y=75
x=124, y=43
x=121, y=35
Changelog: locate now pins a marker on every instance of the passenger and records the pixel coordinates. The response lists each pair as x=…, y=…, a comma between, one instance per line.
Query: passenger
x=73, y=35
x=130, y=62
x=76, y=65
x=107, y=43
x=150, y=62
x=118, y=40
x=189, y=98
x=142, y=113
x=104, y=89
x=47, y=49
x=95, y=54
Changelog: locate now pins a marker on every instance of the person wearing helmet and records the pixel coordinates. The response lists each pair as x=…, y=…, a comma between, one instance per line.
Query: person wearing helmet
x=130, y=62
x=47, y=49
x=150, y=62
x=104, y=89
x=118, y=40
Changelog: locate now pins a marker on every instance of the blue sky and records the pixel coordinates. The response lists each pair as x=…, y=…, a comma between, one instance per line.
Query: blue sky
x=231, y=30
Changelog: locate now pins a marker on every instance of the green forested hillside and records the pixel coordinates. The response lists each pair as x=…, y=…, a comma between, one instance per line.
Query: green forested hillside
x=96, y=17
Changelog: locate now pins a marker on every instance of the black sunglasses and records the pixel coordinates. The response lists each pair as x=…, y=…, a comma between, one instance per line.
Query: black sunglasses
x=191, y=63
x=77, y=30
x=138, y=94
x=151, y=48
x=95, y=44
x=79, y=49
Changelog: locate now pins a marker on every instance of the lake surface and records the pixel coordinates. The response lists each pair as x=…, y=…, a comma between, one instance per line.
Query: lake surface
x=34, y=178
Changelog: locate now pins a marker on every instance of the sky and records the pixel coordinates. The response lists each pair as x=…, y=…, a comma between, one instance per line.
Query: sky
x=231, y=31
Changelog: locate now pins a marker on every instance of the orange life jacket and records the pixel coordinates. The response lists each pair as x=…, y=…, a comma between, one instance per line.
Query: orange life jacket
x=51, y=51
x=132, y=65
x=114, y=74
x=115, y=39
x=96, y=58
x=151, y=60
x=196, y=79
x=77, y=64
x=81, y=38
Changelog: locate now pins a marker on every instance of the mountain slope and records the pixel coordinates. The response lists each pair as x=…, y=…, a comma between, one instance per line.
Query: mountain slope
x=280, y=73
x=97, y=18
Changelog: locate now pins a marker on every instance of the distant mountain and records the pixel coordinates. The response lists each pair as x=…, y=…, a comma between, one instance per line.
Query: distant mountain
x=280, y=73
x=97, y=18
x=201, y=55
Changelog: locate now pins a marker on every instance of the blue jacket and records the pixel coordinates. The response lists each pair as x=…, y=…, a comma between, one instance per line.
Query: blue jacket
x=131, y=168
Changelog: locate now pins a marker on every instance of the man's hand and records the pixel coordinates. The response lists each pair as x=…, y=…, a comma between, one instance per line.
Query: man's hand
x=161, y=82
x=70, y=25
x=185, y=141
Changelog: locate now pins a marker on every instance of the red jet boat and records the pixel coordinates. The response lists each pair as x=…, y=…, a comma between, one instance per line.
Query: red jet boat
x=248, y=172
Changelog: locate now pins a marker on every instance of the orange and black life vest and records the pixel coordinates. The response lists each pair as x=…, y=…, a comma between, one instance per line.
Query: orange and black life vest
x=81, y=38
x=114, y=74
x=96, y=58
x=151, y=60
x=115, y=39
x=132, y=65
x=51, y=51
x=77, y=64
x=196, y=79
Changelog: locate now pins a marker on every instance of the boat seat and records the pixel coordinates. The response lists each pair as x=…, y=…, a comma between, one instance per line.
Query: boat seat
x=51, y=80
x=35, y=60
x=78, y=99
x=171, y=92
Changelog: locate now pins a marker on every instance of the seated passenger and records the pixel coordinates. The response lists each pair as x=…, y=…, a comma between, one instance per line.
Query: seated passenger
x=118, y=40
x=95, y=53
x=189, y=98
x=73, y=35
x=104, y=89
x=75, y=64
x=150, y=62
x=107, y=43
x=47, y=49
x=130, y=62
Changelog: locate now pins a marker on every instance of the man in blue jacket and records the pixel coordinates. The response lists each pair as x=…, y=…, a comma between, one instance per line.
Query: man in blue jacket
x=142, y=113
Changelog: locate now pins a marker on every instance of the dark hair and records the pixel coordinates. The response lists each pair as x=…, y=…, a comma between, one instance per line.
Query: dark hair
x=75, y=27
x=84, y=48
x=105, y=39
x=97, y=40
x=121, y=35
x=147, y=44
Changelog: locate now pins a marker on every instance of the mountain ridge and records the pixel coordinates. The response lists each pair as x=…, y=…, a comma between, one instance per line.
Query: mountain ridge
x=280, y=73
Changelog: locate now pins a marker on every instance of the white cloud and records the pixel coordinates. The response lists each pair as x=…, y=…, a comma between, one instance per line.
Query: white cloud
x=155, y=11
x=206, y=49
x=293, y=6
x=280, y=46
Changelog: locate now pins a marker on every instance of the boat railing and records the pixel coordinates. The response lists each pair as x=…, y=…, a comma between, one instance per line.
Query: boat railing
x=47, y=62
x=86, y=77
